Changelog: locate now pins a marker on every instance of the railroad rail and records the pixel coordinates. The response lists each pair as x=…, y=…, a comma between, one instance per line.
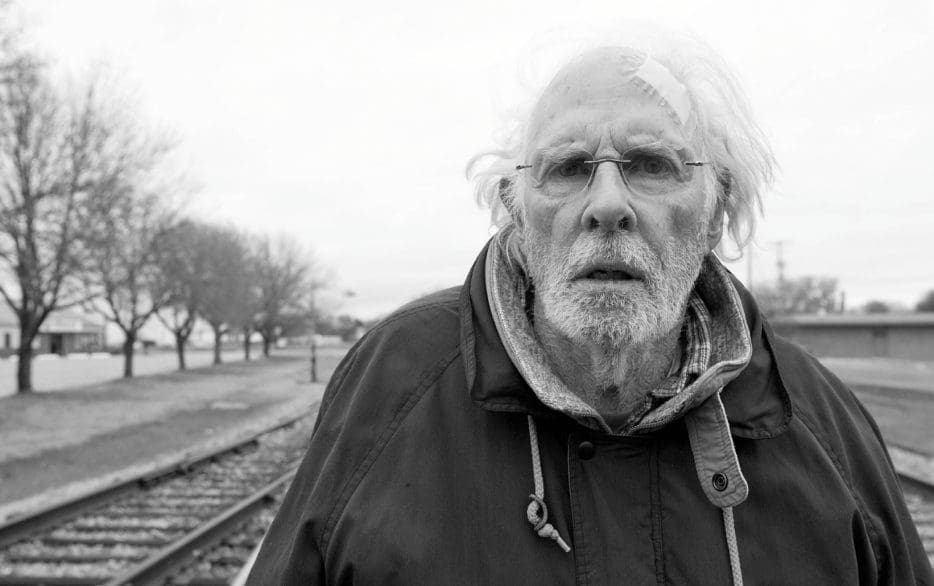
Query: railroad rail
x=145, y=531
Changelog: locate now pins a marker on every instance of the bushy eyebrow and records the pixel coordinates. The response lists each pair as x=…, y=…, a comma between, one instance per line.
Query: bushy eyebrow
x=561, y=152
x=660, y=148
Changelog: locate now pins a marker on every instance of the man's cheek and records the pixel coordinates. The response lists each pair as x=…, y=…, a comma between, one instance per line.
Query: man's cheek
x=687, y=220
x=540, y=216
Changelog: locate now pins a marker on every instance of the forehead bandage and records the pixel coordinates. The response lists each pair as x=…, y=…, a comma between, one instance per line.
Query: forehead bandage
x=655, y=79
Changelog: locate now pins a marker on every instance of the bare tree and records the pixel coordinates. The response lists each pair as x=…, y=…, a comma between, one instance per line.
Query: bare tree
x=179, y=318
x=802, y=295
x=124, y=265
x=877, y=306
x=284, y=273
x=9, y=34
x=182, y=265
x=246, y=321
x=926, y=303
x=131, y=220
x=225, y=294
x=51, y=170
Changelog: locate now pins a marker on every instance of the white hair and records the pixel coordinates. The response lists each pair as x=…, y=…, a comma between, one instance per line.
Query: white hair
x=721, y=128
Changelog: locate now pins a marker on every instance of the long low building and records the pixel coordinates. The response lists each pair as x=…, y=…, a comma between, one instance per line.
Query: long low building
x=63, y=332
x=908, y=336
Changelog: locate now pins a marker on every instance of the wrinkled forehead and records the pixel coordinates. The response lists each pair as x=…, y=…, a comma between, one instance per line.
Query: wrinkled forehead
x=610, y=90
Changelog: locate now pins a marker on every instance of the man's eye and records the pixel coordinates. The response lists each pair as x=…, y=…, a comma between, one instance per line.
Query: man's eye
x=651, y=165
x=648, y=165
x=573, y=168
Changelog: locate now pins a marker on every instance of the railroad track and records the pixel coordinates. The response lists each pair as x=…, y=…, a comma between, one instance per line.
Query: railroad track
x=920, y=498
x=198, y=526
x=188, y=525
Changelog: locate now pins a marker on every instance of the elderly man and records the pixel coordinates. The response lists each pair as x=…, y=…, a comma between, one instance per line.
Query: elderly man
x=601, y=402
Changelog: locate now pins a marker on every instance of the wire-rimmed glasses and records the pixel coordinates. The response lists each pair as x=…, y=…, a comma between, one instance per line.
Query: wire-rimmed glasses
x=646, y=170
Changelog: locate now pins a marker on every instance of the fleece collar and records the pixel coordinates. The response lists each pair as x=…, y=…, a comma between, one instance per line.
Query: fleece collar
x=729, y=342
x=755, y=401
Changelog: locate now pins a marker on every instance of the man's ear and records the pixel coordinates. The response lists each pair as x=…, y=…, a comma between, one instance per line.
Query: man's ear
x=715, y=227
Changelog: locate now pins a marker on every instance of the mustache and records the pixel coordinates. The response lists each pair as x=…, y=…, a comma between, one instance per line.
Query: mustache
x=592, y=248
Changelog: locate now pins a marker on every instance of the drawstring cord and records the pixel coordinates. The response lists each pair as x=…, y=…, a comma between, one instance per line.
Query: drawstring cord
x=713, y=449
x=731, y=545
x=537, y=512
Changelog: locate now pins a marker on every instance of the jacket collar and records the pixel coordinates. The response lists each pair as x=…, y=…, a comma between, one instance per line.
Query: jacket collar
x=756, y=402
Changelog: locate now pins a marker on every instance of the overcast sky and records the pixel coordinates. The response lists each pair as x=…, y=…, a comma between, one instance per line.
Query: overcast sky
x=348, y=124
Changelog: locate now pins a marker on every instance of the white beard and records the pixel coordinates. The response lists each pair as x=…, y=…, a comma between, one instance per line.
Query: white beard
x=612, y=316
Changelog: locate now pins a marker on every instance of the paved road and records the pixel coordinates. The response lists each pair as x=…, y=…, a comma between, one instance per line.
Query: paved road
x=54, y=373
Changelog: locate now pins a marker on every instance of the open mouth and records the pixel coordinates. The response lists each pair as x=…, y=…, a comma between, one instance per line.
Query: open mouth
x=608, y=275
x=614, y=272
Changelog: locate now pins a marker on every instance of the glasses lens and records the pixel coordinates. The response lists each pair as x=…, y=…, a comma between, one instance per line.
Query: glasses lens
x=565, y=176
x=656, y=171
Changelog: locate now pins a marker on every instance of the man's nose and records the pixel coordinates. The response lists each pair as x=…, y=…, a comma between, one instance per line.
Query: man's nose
x=609, y=201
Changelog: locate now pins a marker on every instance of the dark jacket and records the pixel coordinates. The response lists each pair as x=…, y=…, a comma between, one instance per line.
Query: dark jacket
x=419, y=472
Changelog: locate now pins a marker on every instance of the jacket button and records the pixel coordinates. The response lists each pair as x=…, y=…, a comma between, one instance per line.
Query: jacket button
x=586, y=450
x=720, y=481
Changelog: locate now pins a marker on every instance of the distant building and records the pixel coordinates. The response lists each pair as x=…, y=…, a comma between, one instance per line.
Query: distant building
x=9, y=331
x=63, y=332
x=908, y=336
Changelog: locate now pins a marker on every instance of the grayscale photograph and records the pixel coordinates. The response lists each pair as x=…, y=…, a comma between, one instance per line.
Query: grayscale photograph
x=489, y=293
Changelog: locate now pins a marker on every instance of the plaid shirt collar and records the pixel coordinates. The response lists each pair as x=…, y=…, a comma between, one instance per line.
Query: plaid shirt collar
x=695, y=351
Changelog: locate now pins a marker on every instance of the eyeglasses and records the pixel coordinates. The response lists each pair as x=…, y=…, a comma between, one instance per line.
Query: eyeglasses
x=646, y=170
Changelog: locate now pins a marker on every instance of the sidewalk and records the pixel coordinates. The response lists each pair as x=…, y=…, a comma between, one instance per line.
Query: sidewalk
x=56, y=445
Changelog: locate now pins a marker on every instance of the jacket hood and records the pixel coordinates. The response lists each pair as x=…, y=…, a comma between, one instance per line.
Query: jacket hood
x=756, y=401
